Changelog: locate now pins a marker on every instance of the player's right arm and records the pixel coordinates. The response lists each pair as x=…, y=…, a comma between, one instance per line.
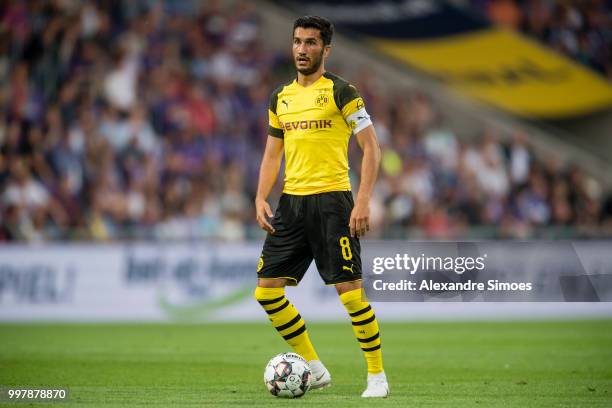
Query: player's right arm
x=270, y=164
x=268, y=173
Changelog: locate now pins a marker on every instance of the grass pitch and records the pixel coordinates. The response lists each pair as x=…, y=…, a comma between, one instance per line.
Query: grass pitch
x=509, y=364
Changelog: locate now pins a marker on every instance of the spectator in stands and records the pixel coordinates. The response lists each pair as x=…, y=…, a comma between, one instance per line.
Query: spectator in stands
x=579, y=29
x=125, y=120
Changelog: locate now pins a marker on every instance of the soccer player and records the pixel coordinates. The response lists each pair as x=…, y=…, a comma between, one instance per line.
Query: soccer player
x=311, y=120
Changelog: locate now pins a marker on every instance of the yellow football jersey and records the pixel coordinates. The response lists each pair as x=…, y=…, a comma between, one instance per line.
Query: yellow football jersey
x=316, y=123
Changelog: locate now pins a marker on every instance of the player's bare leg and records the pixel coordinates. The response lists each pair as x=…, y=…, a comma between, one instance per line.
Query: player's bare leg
x=270, y=293
x=367, y=333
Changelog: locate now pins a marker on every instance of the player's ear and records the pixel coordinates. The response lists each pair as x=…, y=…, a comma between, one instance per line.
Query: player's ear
x=326, y=50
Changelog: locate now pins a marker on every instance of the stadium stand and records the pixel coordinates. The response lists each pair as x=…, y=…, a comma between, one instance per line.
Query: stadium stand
x=581, y=30
x=122, y=120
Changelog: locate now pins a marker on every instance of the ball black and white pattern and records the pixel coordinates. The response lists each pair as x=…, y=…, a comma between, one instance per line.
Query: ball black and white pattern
x=287, y=375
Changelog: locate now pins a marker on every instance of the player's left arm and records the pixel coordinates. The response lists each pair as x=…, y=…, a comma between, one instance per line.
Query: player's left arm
x=360, y=216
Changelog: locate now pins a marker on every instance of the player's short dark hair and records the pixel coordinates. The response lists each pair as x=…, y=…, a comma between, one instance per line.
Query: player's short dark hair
x=325, y=27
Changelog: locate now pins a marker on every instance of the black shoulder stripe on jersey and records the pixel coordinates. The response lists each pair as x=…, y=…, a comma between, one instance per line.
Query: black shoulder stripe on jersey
x=274, y=96
x=344, y=92
x=274, y=99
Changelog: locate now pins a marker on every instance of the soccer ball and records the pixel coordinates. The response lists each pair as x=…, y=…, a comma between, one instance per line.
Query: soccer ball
x=287, y=375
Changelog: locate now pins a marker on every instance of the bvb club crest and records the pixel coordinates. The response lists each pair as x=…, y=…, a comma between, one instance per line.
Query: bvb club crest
x=322, y=100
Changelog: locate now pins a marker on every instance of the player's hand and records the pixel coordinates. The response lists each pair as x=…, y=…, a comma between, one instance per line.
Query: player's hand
x=359, y=223
x=264, y=212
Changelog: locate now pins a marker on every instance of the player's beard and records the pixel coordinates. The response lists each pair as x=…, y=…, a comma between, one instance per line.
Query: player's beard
x=315, y=63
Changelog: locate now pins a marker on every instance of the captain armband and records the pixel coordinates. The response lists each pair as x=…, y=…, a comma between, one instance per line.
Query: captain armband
x=359, y=120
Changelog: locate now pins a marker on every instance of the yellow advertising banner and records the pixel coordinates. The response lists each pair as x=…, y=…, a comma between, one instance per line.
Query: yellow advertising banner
x=507, y=70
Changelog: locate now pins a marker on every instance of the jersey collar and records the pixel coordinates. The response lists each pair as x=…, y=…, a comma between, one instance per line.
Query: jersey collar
x=311, y=85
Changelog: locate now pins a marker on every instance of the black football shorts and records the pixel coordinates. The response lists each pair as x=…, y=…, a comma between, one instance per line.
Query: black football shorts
x=312, y=226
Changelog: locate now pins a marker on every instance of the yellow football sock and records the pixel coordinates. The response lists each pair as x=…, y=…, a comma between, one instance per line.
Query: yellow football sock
x=365, y=328
x=286, y=319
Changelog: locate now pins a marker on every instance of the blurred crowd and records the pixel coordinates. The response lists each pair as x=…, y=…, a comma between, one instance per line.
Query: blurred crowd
x=147, y=120
x=437, y=185
x=580, y=29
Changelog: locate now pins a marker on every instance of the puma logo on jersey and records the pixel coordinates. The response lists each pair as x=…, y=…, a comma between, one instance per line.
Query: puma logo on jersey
x=346, y=268
x=286, y=103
